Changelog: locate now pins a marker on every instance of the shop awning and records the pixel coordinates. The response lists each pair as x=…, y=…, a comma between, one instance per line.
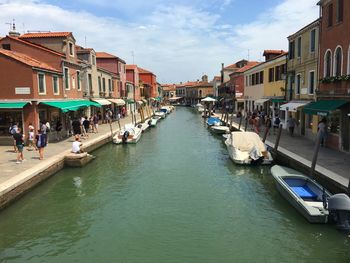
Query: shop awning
x=140, y=102
x=13, y=105
x=324, y=107
x=102, y=102
x=130, y=101
x=70, y=105
x=277, y=100
x=118, y=102
x=175, y=98
x=293, y=105
x=260, y=101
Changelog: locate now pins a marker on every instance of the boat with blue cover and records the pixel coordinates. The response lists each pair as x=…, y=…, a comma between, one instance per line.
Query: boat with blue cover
x=213, y=121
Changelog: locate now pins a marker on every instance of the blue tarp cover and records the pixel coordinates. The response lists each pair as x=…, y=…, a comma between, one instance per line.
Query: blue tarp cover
x=304, y=191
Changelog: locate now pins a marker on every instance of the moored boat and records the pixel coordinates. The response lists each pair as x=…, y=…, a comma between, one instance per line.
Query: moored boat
x=220, y=129
x=305, y=194
x=213, y=121
x=247, y=148
x=129, y=134
x=143, y=125
x=160, y=114
x=153, y=121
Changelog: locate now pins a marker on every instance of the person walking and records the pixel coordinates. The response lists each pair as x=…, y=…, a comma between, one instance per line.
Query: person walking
x=322, y=128
x=276, y=124
x=95, y=119
x=86, y=124
x=41, y=142
x=58, y=129
x=13, y=130
x=31, y=145
x=268, y=123
x=19, y=142
x=257, y=124
x=291, y=123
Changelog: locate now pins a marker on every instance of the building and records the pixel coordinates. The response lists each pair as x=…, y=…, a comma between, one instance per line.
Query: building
x=216, y=84
x=169, y=91
x=333, y=94
x=302, y=76
x=148, y=82
x=196, y=91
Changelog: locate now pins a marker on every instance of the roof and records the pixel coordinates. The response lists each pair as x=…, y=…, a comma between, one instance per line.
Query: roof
x=232, y=66
x=308, y=26
x=104, y=55
x=131, y=67
x=27, y=60
x=45, y=34
x=273, y=52
x=217, y=77
x=144, y=71
x=250, y=65
x=36, y=46
x=80, y=49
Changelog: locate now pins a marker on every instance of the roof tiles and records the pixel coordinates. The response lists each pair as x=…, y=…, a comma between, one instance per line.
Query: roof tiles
x=45, y=34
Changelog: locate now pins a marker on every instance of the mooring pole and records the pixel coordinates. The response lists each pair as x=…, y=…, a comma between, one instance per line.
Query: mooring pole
x=265, y=134
x=231, y=120
x=316, y=150
x=278, y=137
x=349, y=188
x=246, y=124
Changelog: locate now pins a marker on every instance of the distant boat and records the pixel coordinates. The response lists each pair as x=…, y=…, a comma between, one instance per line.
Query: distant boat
x=153, y=121
x=129, y=134
x=200, y=107
x=213, y=121
x=143, y=125
x=220, y=129
x=160, y=114
x=247, y=148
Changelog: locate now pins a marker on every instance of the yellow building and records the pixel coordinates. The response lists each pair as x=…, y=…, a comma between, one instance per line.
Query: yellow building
x=302, y=77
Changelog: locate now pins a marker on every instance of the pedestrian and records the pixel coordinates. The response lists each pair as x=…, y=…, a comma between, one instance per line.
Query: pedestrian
x=96, y=119
x=291, y=123
x=82, y=127
x=13, y=130
x=322, y=129
x=276, y=124
x=19, y=142
x=31, y=145
x=76, y=127
x=268, y=123
x=86, y=124
x=58, y=130
x=76, y=145
x=257, y=124
x=41, y=142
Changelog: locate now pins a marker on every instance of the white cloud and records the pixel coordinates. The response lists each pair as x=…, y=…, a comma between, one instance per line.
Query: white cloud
x=176, y=42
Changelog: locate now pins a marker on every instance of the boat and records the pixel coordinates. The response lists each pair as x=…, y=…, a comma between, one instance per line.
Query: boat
x=143, y=125
x=311, y=199
x=213, y=121
x=200, y=107
x=305, y=194
x=247, y=148
x=160, y=114
x=153, y=121
x=165, y=110
x=168, y=108
x=225, y=136
x=129, y=134
x=220, y=129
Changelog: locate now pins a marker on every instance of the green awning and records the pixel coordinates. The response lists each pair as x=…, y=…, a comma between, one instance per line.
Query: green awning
x=277, y=100
x=323, y=107
x=71, y=105
x=130, y=101
x=12, y=105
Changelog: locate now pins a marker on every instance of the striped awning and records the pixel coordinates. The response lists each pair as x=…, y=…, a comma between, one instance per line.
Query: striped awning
x=102, y=102
x=118, y=102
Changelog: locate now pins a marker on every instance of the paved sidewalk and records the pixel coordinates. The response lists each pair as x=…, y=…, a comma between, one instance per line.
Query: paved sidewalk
x=336, y=164
x=9, y=168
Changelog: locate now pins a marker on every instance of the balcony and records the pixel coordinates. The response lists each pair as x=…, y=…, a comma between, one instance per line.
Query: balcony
x=338, y=89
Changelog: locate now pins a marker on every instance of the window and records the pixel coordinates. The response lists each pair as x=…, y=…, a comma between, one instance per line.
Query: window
x=250, y=80
x=119, y=67
x=71, y=49
x=66, y=79
x=109, y=85
x=55, y=85
x=6, y=46
x=291, y=49
x=271, y=74
x=311, y=82
x=261, y=77
x=90, y=82
x=297, y=83
x=338, y=61
x=78, y=80
x=93, y=60
x=313, y=40
x=103, y=84
x=41, y=83
x=99, y=85
x=340, y=10
x=327, y=64
x=278, y=73
x=330, y=15
x=299, y=47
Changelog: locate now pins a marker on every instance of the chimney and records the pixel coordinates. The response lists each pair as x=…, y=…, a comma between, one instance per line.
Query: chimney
x=205, y=78
x=13, y=32
x=222, y=72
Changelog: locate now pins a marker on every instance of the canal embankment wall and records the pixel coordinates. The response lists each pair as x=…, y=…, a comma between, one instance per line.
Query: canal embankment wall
x=21, y=183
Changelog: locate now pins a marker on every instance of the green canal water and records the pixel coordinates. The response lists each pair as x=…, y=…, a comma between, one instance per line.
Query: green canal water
x=174, y=197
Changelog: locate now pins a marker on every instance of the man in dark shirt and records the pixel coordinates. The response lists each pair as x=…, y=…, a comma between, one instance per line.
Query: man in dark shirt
x=76, y=127
x=86, y=124
x=19, y=142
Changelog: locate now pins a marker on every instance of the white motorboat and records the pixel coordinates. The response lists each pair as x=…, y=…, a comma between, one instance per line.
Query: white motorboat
x=153, y=121
x=168, y=109
x=247, y=148
x=143, y=125
x=129, y=134
x=200, y=107
x=219, y=129
x=160, y=114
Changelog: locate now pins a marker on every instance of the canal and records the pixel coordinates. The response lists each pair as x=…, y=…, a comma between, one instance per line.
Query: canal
x=174, y=197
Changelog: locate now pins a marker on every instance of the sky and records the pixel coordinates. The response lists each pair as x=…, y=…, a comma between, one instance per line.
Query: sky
x=178, y=40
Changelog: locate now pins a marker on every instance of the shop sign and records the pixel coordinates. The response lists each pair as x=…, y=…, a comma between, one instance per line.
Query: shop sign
x=22, y=90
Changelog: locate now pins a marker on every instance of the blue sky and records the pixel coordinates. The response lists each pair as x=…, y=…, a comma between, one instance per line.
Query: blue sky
x=178, y=40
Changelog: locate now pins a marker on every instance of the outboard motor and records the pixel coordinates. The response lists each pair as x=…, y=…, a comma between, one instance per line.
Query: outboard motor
x=339, y=209
x=125, y=136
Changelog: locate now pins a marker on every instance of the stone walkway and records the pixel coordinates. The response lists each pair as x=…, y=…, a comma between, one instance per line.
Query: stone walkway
x=9, y=168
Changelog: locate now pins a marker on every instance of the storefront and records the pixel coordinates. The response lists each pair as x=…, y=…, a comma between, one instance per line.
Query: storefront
x=336, y=113
x=105, y=106
x=117, y=106
x=294, y=109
